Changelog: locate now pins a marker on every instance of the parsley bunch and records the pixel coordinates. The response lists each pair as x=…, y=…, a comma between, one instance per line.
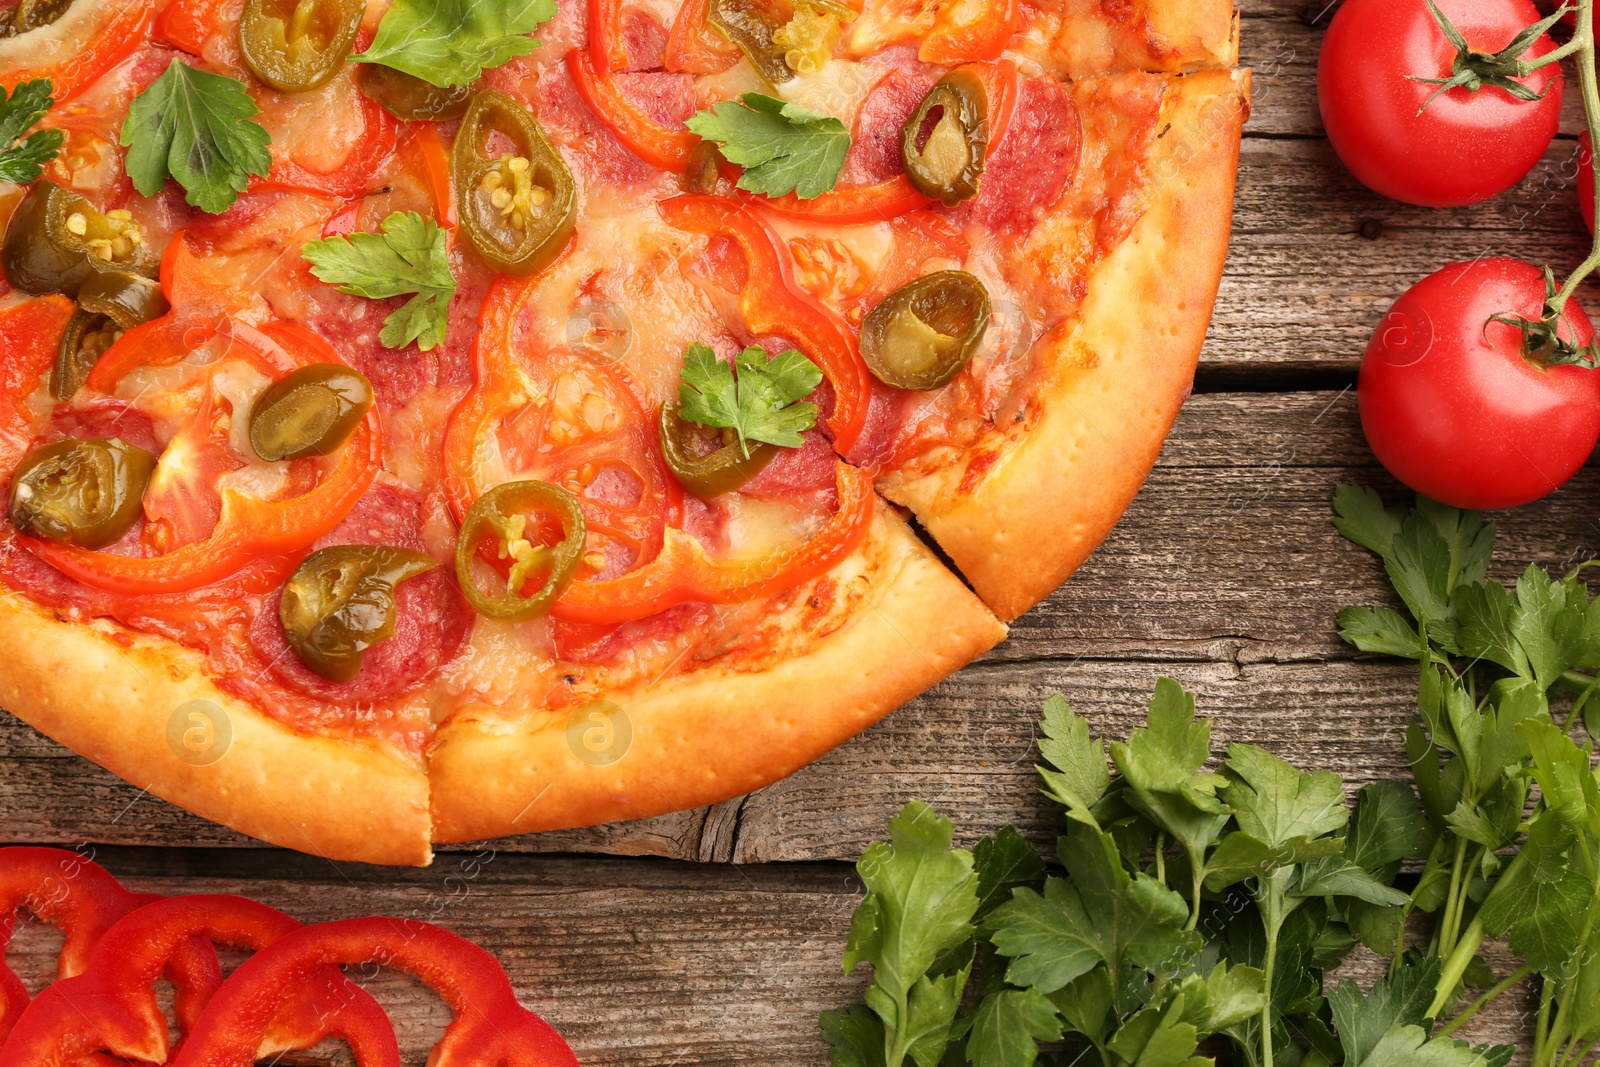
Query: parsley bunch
x=1491, y=659
x=1195, y=910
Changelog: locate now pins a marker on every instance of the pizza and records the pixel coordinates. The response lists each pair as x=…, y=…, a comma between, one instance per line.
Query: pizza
x=424, y=421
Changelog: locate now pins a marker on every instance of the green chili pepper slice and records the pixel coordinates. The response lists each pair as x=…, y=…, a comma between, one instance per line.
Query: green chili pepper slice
x=706, y=462
x=924, y=332
x=340, y=602
x=945, y=143
x=704, y=169
x=31, y=14
x=309, y=412
x=409, y=98
x=515, y=515
x=85, y=492
x=56, y=241
x=108, y=303
x=752, y=25
x=298, y=45
x=518, y=209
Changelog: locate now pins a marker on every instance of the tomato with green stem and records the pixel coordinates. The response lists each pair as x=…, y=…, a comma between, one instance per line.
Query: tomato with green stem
x=1440, y=105
x=1460, y=406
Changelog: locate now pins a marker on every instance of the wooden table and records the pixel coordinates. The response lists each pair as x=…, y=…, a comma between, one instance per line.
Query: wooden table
x=714, y=936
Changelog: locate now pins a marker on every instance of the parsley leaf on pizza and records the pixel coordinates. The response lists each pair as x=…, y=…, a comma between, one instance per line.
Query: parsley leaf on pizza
x=198, y=129
x=22, y=160
x=410, y=258
x=452, y=42
x=783, y=148
x=761, y=403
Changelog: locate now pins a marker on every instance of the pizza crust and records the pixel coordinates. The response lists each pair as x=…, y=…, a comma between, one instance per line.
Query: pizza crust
x=1119, y=378
x=112, y=701
x=1192, y=35
x=708, y=736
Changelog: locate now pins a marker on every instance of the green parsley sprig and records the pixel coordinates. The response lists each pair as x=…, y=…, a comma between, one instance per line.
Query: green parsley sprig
x=1193, y=908
x=409, y=258
x=783, y=148
x=452, y=42
x=200, y=130
x=22, y=160
x=759, y=403
x=1490, y=659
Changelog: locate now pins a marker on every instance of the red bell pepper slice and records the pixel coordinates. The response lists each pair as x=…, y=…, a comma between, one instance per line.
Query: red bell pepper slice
x=683, y=572
x=111, y=1007
x=122, y=34
x=188, y=23
x=83, y=901
x=490, y=1026
x=29, y=335
x=353, y=177
x=606, y=51
x=657, y=145
x=983, y=36
x=874, y=202
x=693, y=46
x=248, y=528
x=772, y=304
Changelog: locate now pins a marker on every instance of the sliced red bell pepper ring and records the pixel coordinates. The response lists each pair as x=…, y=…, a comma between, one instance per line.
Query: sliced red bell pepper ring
x=111, y=1007
x=353, y=177
x=772, y=304
x=659, y=146
x=693, y=47
x=249, y=528
x=490, y=1026
x=123, y=33
x=82, y=900
x=983, y=36
x=683, y=571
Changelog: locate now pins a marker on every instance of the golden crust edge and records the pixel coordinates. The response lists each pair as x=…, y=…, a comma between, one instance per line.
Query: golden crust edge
x=1206, y=32
x=344, y=800
x=710, y=736
x=1054, y=495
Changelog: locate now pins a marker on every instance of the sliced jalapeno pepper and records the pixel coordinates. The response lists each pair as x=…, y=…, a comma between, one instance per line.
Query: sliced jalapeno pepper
x=340, y=602
x=519, y=209
x=31, y=14
x=298, y=45
x=108, y=303
x=945, y=143
x=85, y=492
x=924, y=332
x=514, y=514
x=707, y=463
x=309, y=412
x=753, y=25
x=704, y=170
x=56, y=241
x=409, y=98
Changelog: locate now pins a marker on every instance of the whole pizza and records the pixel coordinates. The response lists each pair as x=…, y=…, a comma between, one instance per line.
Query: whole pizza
x=429, y=420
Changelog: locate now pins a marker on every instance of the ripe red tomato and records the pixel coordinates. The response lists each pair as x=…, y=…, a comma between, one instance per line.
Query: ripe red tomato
x=1452, y=407
x=1465, y=146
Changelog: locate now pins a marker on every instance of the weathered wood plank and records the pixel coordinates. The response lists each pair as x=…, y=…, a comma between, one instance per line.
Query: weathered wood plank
x=1226, y=572
x=638, y=963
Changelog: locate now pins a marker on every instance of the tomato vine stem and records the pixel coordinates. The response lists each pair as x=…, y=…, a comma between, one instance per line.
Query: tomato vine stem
x=1584, y=39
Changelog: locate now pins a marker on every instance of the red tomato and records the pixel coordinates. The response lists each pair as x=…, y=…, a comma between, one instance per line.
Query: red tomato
x=1586, y=179
x=1452, y=407
x=1463, y=147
